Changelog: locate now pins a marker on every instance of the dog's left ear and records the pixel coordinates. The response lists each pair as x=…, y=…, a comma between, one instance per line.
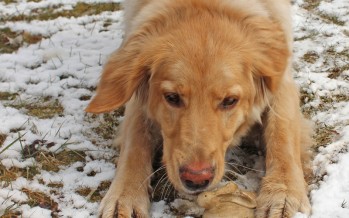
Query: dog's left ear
x=121, y=76
x=271, y=51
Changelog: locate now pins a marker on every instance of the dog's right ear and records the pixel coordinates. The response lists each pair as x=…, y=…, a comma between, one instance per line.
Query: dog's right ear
x=122, y=74
x=270, y=52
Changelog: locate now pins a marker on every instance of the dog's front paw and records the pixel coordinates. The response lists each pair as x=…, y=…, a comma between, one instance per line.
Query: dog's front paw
x=279, y=200
x=126, y=205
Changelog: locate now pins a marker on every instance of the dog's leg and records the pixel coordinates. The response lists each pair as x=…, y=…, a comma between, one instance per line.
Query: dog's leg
x=283, y=190
x=128, y=194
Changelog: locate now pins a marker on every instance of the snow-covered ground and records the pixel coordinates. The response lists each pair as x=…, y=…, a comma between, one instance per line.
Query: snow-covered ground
x=60, y=73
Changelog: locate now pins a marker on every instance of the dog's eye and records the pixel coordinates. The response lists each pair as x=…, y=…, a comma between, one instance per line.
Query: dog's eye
x=173, y=99
x=228, y=103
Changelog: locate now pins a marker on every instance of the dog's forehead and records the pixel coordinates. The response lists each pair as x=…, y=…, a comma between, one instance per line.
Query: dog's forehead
x=200, y=63
x=216, y=76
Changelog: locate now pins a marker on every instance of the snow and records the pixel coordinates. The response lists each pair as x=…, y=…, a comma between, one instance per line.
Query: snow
x=66, y=65
x=36, y=212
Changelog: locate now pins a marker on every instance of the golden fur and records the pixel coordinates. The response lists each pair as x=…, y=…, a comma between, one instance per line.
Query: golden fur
x=206, y=51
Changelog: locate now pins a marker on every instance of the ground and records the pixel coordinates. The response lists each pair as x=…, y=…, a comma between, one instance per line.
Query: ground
x=57, y=161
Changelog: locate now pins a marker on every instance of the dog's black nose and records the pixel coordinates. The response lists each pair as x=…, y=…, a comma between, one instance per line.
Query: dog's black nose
x=196, y=176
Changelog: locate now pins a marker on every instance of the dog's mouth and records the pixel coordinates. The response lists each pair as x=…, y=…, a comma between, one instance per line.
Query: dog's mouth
x=196, y=177
x=192, y=174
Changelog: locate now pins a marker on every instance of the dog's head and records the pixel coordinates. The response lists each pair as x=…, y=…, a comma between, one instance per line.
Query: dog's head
x=199, y=74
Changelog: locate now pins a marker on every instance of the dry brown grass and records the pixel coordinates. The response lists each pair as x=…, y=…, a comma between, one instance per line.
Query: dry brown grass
x=94, y=195
x=324, y=135
x=80, y=9
x=108, y=123
x=11, y=41
x=311, y=4
x=6, y=96
x=43, y=108
x=42, y=200
x=2, y=139
x=311, y=57
x=8, y=175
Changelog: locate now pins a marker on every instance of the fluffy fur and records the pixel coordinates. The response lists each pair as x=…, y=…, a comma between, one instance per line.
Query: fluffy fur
x=205, y=51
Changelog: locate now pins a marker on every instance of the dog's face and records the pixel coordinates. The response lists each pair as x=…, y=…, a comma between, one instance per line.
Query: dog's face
x=201, y=83
x=202, y=101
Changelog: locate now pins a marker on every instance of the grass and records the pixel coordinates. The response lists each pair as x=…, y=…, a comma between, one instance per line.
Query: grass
x=306, y=97
x=2, y=139
x=80, y=9
x=335, y=98
x=330, y=18
x=107, y=23
x=11, y=41
x=311, y=57
x=6, y=96
x=51, y=161
x=9, y=1
x=85, y=97
x=55, y=185
x=311, y=4
x=44, y=161
x=8, y=175
x=67, y=157
x=324, y=135
x=336, y=72
x=40, y=199
x=334, y=56
x=94, y=195
x=12, y=143
x=11, y=213
x=45, y=111
x=108, y=123
x=326, y=102
x=43, y=108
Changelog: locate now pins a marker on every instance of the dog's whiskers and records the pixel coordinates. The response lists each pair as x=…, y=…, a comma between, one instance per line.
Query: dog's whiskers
x=162, y=178
x=168, y=191
x=227, y=178
x=236, y=156
x=163, y=189
x=148, y=177
x=238, y=176
x=234, y=165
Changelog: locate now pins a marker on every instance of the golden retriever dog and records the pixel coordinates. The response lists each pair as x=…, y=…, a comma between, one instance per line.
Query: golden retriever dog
x=195, y=76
